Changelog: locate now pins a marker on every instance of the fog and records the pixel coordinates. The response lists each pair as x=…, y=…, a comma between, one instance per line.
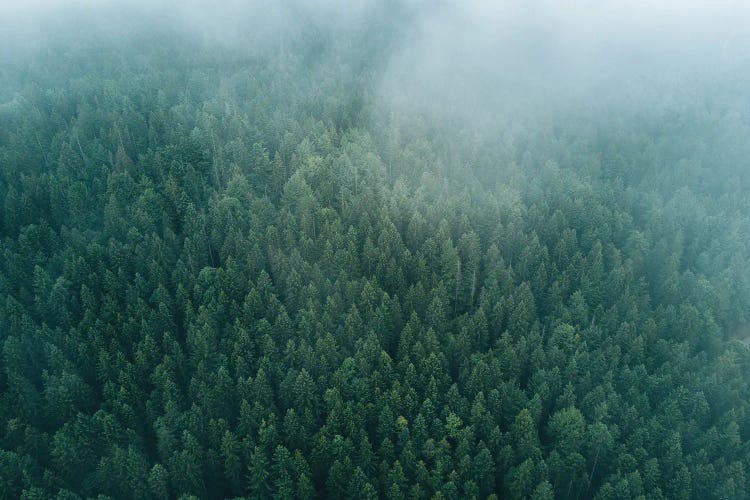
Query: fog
x=443, y=50
x=475, y=61
x=540, y=53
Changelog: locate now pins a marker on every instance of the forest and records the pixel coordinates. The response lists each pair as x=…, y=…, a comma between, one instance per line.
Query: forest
x=253, y=266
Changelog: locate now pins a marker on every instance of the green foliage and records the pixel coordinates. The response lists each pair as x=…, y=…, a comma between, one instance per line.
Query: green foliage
x=227, y=276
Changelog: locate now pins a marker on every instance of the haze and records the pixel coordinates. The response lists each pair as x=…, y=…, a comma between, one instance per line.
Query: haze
x=443, y=50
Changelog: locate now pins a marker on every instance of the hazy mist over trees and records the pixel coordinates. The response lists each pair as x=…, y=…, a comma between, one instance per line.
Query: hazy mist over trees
x=382, y=249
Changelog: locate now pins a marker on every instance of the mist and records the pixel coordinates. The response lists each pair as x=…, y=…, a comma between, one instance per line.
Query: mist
x=541, y=54
x=441, y=54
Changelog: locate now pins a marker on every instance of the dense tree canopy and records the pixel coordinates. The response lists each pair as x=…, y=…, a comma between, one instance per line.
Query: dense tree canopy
x=236, y=275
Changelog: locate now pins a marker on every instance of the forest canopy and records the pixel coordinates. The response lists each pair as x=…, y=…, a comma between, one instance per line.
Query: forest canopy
x=383, y=250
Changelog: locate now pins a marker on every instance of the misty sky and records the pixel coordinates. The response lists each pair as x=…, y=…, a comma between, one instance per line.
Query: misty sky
x=578, y=23
x=449, y=51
